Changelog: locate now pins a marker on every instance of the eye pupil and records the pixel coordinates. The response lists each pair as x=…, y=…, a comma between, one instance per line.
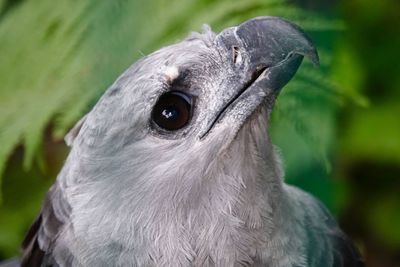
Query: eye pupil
x=172, y=110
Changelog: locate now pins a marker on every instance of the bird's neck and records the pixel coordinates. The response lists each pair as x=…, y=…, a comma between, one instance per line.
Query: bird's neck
x=251, y=178
x=229, y=208
x=236, y=207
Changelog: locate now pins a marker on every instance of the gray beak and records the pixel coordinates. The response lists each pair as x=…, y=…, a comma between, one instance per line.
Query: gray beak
x=262, y=55
x=269, y=43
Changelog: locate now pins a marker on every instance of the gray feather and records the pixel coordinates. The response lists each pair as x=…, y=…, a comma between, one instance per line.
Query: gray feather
x=209, y=194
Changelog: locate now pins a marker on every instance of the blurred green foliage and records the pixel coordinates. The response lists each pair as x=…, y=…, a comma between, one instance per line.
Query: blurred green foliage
x=337, y=126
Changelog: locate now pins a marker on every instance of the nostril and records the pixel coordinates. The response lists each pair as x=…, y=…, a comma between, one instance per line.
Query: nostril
x=237, y=57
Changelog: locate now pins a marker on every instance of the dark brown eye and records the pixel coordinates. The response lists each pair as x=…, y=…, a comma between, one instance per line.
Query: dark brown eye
x=172, y=110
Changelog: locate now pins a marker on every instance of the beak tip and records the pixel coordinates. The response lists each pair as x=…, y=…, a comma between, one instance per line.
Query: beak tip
x=313, y=56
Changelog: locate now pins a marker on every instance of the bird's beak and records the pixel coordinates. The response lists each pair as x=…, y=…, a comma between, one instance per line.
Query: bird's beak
x=269, y=43
x=262, y=55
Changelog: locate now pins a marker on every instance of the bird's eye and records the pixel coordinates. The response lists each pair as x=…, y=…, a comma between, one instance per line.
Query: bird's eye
x=172, y=110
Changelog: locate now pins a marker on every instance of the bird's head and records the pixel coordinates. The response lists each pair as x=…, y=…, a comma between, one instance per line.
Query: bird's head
x=186, y=104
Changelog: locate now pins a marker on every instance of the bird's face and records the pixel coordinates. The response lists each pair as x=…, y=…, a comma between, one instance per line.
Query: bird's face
x=188, y=102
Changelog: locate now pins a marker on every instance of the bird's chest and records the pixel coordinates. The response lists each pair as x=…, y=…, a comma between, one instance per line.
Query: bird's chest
x=217, y=225
x=200, y=239
x=204, y=239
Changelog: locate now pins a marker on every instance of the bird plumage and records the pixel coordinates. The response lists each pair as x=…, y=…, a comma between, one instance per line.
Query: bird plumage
x=209, y=194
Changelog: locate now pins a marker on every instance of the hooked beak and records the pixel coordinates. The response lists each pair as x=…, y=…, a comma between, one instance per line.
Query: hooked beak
x=270, y=43
x=264, y=54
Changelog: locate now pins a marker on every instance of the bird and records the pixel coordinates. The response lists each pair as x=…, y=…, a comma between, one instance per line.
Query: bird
x=174, y=166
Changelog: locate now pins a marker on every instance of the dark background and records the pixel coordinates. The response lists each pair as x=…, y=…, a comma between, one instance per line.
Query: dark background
x=338, y=126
